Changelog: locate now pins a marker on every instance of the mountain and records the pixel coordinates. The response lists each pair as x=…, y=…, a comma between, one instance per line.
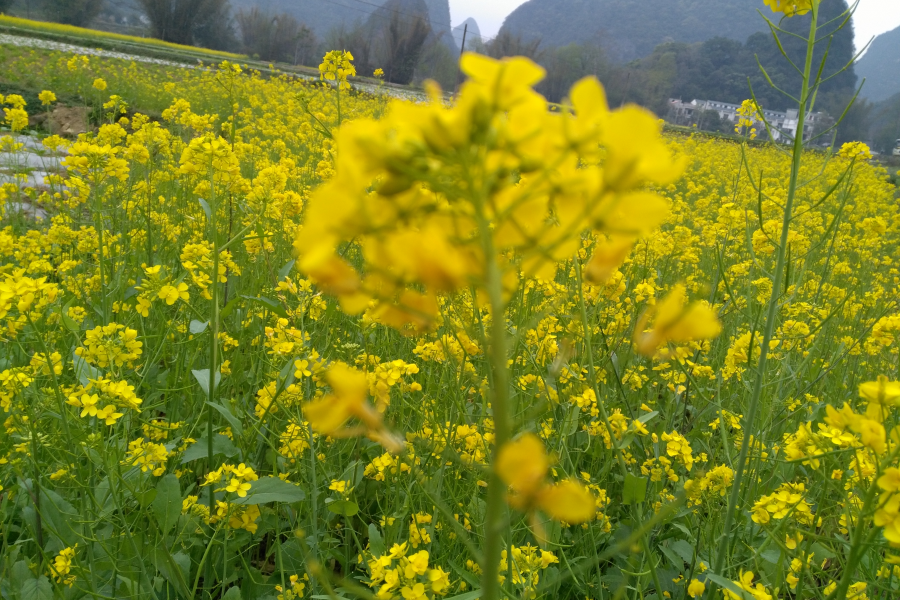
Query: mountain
x=881, y=67
x=629, y=29
x=472, y=33
x=327, y=16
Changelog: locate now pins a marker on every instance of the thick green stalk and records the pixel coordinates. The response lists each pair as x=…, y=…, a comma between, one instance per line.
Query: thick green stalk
x=495, y=513
x=772, y=309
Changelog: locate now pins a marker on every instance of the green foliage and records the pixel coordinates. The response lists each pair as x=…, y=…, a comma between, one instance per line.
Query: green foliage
x=886, y=124
x=176, y=20
x=629, y=29
x=272, y=37
x=71, y=12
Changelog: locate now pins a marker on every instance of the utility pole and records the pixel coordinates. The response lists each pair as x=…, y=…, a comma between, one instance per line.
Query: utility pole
x=462, y=48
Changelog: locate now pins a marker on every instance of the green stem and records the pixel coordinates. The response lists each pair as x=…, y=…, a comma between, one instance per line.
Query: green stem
x=495, y=513
x=213, y=358
x=772, y=309
x=860, y=540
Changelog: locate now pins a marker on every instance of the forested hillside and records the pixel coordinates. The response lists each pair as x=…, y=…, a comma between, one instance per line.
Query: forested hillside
x=881, y=67
x=629, y=29
x=325, y=16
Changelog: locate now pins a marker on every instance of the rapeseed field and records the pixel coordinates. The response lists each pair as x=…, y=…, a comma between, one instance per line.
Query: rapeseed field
x=282, y=339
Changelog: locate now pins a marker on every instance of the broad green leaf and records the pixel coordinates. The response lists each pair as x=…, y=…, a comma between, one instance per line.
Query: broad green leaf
x=176, y=568
x=376, y=541
x=676, y=561
x=67, y=321
x=236, y=426
x=646, y=418
x=146, y=497
x=37, y=589
x=221, y=445
x=19, y=574
x=206, y=209
x=271, y=489
x=167, y=504
x=684, y=549
x=347, y=508
x=202, y=377
x=61, y=517
x=84, y=371
x=270, y=304
x=635, y=490
x=466, y=596
x=728, y=585
x=233, y=593
x=229, y=307
x=285, y=270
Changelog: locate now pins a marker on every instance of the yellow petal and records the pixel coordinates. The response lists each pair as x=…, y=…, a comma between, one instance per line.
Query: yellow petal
x=523, y=464
x=608, y=256
x=568, y=501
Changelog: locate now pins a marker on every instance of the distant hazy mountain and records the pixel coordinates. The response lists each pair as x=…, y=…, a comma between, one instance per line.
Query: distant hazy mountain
x=324, y=15
x=881, y=67
x=630, y=29
x=472, y=33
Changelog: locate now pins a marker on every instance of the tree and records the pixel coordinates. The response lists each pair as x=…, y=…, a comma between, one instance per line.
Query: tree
x=175, y=20
x=273, y=38
x=215, y=29
x=567, y=65
x=403, y=41
x=507, y=44
x=439, y=63
x=306, y=47
x=72, y=12
x=358, y=41
x=5, y=4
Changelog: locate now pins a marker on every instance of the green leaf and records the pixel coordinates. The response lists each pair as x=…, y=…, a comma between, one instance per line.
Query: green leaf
x=221, y=445
x=198, y=326
x=37, y=589
x=19, y=574
x=236, y=426
x=175, y=568
x=684, y=549
x=646, y=418
x=285, y=270
x=206, y=209
x=167, y=504
x=229, y=307
x=728, y=585
x=635, y=490
x=84, y=371
x=673, y=558
x=271, y=489
x=60, y=516
x=233, y=593
x=467, y=596
x=270, y=304
x=67, y=321
x=202, y=377
x=348, y=508
x=570, y=424
x=146, y=497
x=376, y=542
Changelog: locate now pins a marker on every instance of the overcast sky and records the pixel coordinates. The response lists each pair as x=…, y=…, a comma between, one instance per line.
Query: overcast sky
x=872, y=17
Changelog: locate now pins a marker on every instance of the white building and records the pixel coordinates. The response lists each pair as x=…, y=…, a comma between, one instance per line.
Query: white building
x=782, y=124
